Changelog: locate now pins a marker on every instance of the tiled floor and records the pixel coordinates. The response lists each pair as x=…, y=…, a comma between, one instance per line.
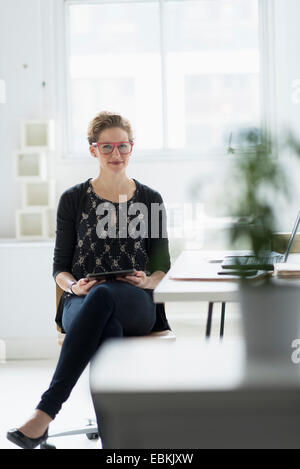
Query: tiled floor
x=23, y=382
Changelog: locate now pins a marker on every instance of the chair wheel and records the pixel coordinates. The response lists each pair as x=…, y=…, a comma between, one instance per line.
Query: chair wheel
x=92, y=436
x=47, y=446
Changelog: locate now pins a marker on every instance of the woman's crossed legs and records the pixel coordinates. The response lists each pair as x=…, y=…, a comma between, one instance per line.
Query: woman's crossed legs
x=110, y=309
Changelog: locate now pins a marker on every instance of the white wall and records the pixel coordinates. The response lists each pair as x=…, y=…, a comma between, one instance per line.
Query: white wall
x=20, y=44
x=287, y=48
x=287, y=96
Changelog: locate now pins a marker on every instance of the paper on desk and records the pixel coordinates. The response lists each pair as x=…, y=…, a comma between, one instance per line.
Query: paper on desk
x=202, y=271
x=210, y=273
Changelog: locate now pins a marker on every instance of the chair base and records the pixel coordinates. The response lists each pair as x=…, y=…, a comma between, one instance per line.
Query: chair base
x=90, y=430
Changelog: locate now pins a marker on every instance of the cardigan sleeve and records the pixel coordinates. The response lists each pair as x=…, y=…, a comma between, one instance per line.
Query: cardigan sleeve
x=159, y=255
x=65, y=235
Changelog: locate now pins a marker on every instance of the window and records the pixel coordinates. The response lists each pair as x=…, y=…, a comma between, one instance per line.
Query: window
x=186, y=73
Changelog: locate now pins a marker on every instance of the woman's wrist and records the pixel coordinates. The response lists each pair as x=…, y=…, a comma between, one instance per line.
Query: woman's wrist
x=148, y=282
x=154, y=279
x=70, y=285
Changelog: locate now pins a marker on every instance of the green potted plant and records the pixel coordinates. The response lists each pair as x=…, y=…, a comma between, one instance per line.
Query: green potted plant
x=270, y=310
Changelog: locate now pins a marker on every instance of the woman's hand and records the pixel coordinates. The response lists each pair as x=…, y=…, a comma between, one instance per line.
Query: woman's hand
x=139, y=279
x=84, y=285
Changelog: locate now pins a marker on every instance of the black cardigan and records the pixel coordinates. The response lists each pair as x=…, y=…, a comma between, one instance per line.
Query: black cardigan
x=67, y=221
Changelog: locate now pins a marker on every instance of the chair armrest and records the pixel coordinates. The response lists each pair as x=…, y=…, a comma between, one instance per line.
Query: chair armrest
x=59, y=292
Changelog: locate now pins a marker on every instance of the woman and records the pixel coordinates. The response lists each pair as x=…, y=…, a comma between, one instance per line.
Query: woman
x=91, y=311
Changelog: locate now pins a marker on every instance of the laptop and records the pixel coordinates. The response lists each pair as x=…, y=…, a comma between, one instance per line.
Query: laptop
x=266, y=261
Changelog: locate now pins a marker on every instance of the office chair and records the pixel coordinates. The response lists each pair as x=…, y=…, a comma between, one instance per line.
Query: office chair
x=91, y=429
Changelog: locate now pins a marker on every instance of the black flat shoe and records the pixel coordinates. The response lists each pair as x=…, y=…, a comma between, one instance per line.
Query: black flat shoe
x=18, y=438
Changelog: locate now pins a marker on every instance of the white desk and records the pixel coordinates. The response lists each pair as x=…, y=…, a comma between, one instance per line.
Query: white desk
x=193, y=394
x=195, y=262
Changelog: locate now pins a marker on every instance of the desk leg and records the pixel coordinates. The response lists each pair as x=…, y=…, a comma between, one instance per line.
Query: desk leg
x=222, y=320
x=209, y=318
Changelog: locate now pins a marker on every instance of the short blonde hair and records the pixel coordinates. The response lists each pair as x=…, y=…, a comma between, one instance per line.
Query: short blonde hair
x=107, y=120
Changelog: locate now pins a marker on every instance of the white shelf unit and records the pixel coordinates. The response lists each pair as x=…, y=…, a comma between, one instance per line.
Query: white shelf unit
x=34, y=221
x=30, y=165
x=38, y=194
x=38, y=135
x=32, y=224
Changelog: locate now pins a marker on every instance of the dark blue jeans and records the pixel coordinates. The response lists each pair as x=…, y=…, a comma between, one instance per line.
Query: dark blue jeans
x=110, y=309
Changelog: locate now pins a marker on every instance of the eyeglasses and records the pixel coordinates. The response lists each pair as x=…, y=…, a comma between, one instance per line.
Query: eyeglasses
x=107, y=148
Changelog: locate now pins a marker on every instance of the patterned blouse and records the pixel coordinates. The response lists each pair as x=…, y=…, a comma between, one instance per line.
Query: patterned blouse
x=98, y=251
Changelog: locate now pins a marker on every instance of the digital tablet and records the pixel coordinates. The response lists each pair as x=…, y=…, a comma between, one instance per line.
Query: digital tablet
x=110, y=275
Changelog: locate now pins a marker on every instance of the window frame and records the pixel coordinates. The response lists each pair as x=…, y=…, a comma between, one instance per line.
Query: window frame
x=63, y=97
